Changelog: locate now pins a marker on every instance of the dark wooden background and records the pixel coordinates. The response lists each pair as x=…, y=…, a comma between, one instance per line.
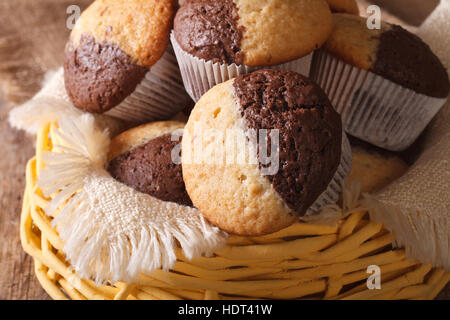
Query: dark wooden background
x=17, y=279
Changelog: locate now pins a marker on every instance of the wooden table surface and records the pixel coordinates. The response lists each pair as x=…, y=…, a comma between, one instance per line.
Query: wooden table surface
x=17, y=279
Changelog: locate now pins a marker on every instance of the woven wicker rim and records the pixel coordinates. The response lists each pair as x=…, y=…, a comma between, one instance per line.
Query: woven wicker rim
x=302, y=261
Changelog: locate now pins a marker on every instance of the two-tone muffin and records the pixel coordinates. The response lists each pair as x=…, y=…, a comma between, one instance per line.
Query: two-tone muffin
x=263, y=150
x=145, y=159
x=215, y=41
x=117, y=61
x=386, y=83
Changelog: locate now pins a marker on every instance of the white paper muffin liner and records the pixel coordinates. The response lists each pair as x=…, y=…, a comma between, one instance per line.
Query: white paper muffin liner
x=373, y=108
x=200, y=75
x=332, y=193
x=159, y=96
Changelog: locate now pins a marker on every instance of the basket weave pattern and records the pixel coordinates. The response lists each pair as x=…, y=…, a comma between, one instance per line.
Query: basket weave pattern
x=302, y=261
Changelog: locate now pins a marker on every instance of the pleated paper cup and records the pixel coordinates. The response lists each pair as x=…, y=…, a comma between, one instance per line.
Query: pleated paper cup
x=159, y=96
x=333, y=192
x=200, y=75
x=373, y=108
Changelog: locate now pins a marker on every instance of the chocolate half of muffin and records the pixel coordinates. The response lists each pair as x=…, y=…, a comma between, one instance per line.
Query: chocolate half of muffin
x=209, y=30
x=310, y=132
x=99, y=76
x=405, y=59
x=149, y=168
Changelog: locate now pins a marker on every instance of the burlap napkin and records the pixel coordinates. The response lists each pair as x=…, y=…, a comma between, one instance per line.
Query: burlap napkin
x=416, y=208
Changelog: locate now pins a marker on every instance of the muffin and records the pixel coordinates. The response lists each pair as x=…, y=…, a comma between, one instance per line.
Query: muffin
x=215, y=41
x=142, y=158
x=387, y=84
x=117, y=61
x=262, y=151
x=375, y=168
x=343, y=6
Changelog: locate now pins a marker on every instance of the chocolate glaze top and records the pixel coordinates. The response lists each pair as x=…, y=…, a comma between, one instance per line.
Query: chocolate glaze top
x=99, y=76
x=405, y=59
x=208, y=29
x=149, y=169
x=310, y=131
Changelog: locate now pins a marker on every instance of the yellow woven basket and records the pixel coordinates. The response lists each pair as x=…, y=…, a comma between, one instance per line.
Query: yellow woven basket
x=302, y=261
